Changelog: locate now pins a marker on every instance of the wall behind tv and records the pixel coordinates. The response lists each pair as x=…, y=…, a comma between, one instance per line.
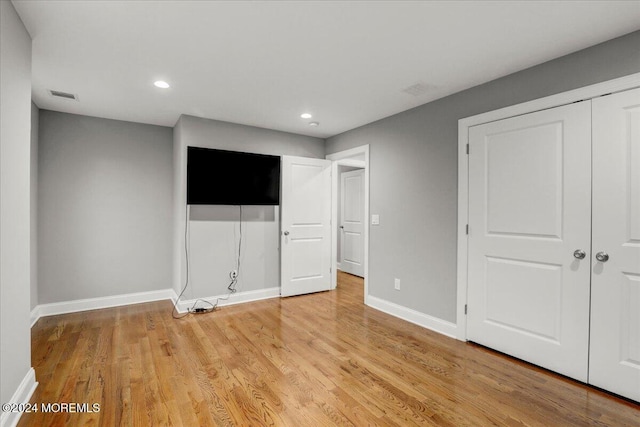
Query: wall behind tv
x=104, y=200
x=214, y=230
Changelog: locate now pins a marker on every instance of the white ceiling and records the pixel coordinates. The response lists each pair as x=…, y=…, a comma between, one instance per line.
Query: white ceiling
x=264, y=63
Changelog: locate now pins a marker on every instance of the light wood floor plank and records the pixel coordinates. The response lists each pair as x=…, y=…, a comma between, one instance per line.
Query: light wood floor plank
x=315, y=360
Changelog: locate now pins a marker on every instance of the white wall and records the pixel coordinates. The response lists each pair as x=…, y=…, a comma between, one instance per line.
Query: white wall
x=413, y=173
x=15, y=268
x=35, y=119
x=105, y=207
x=214, y=230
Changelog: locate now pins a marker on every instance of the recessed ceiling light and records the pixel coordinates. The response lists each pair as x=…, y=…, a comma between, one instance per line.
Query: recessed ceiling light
x=161, y=84
x=313, y=124
x=306, y=115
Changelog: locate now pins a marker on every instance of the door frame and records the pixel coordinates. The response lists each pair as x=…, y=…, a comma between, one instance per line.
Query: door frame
x=604, y=88
x=351, y=157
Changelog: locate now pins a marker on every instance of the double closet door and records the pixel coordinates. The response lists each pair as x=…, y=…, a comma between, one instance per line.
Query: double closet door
x=554, y=239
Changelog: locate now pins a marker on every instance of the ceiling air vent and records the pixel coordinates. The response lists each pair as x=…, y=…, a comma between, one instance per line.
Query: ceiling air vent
x=418, y=89
x=65, y=95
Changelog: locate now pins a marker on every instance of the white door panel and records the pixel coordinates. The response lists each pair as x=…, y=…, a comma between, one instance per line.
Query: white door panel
x=306, y=234
x=615, y=304
x=526, y=297
x=529, y=210
x=352, y=227
x=522, y=162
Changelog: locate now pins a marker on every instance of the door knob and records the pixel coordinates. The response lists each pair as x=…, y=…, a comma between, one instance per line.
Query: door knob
x=602, y=256
x=286, y=233
x=579, y=254
x=342, y=226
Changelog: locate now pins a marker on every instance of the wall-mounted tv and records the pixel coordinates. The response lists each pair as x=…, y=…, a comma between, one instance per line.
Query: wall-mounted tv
x=219, y=177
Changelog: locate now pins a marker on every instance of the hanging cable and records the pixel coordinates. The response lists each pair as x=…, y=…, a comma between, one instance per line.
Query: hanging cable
x=234, y=280
x=233, y=275
x=186, y=255
x=193, y=308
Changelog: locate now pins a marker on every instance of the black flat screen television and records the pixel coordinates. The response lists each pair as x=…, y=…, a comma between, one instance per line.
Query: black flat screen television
x=219, y=177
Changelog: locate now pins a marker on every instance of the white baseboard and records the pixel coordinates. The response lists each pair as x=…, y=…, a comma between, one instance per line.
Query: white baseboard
x=237, y=298
x=438, y=325
x=35, y=315
x=42, y=310
x=22, y=395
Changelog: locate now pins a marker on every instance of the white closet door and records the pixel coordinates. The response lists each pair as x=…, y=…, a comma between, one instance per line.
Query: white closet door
x=529, y=211
x=615, y=304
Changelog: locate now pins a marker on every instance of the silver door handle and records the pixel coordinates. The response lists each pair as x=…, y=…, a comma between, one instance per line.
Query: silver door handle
x=286, y=233
x=579, y=254
x=602, y=256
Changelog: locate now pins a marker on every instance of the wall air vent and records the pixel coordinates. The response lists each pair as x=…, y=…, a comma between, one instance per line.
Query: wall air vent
x=64, y=95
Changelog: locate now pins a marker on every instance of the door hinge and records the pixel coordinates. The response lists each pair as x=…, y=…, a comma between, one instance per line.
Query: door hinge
x=467, y=148
x=465, y=309
x=467, y=229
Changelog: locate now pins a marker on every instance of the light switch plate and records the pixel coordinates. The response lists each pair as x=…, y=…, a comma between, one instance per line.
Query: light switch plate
x=375, y=219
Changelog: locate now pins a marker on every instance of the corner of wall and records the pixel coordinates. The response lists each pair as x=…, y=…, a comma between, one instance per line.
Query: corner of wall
x=179, y=200
x=18, y=379
x=35, y=125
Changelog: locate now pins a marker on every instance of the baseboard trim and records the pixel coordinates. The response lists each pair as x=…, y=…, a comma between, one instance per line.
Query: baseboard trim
x=43, y=310
x=237, y=298
x=22, y=395
x=433, y=323
x=35, y=315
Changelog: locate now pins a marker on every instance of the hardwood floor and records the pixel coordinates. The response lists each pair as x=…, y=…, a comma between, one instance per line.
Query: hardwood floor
x=316, y=360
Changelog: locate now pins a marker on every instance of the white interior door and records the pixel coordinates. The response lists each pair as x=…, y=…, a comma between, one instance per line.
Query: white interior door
x=615, y=303
x=306, y=233
x=529, y=210
x=352, y=222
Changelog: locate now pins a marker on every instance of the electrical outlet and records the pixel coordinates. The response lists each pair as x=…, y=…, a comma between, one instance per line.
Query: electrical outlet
x=396, y=284
x=233, y=274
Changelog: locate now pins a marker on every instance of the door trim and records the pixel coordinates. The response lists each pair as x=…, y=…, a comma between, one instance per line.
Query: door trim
x=351, y=157
x=587, y=92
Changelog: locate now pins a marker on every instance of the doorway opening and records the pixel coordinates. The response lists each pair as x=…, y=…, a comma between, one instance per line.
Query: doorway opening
x=345, y=163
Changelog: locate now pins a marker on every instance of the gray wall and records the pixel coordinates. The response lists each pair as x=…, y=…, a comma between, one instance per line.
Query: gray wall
x=35, y=123
x=413, y=172
x=104, y=199
x=15, y=268
x=215, y=229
